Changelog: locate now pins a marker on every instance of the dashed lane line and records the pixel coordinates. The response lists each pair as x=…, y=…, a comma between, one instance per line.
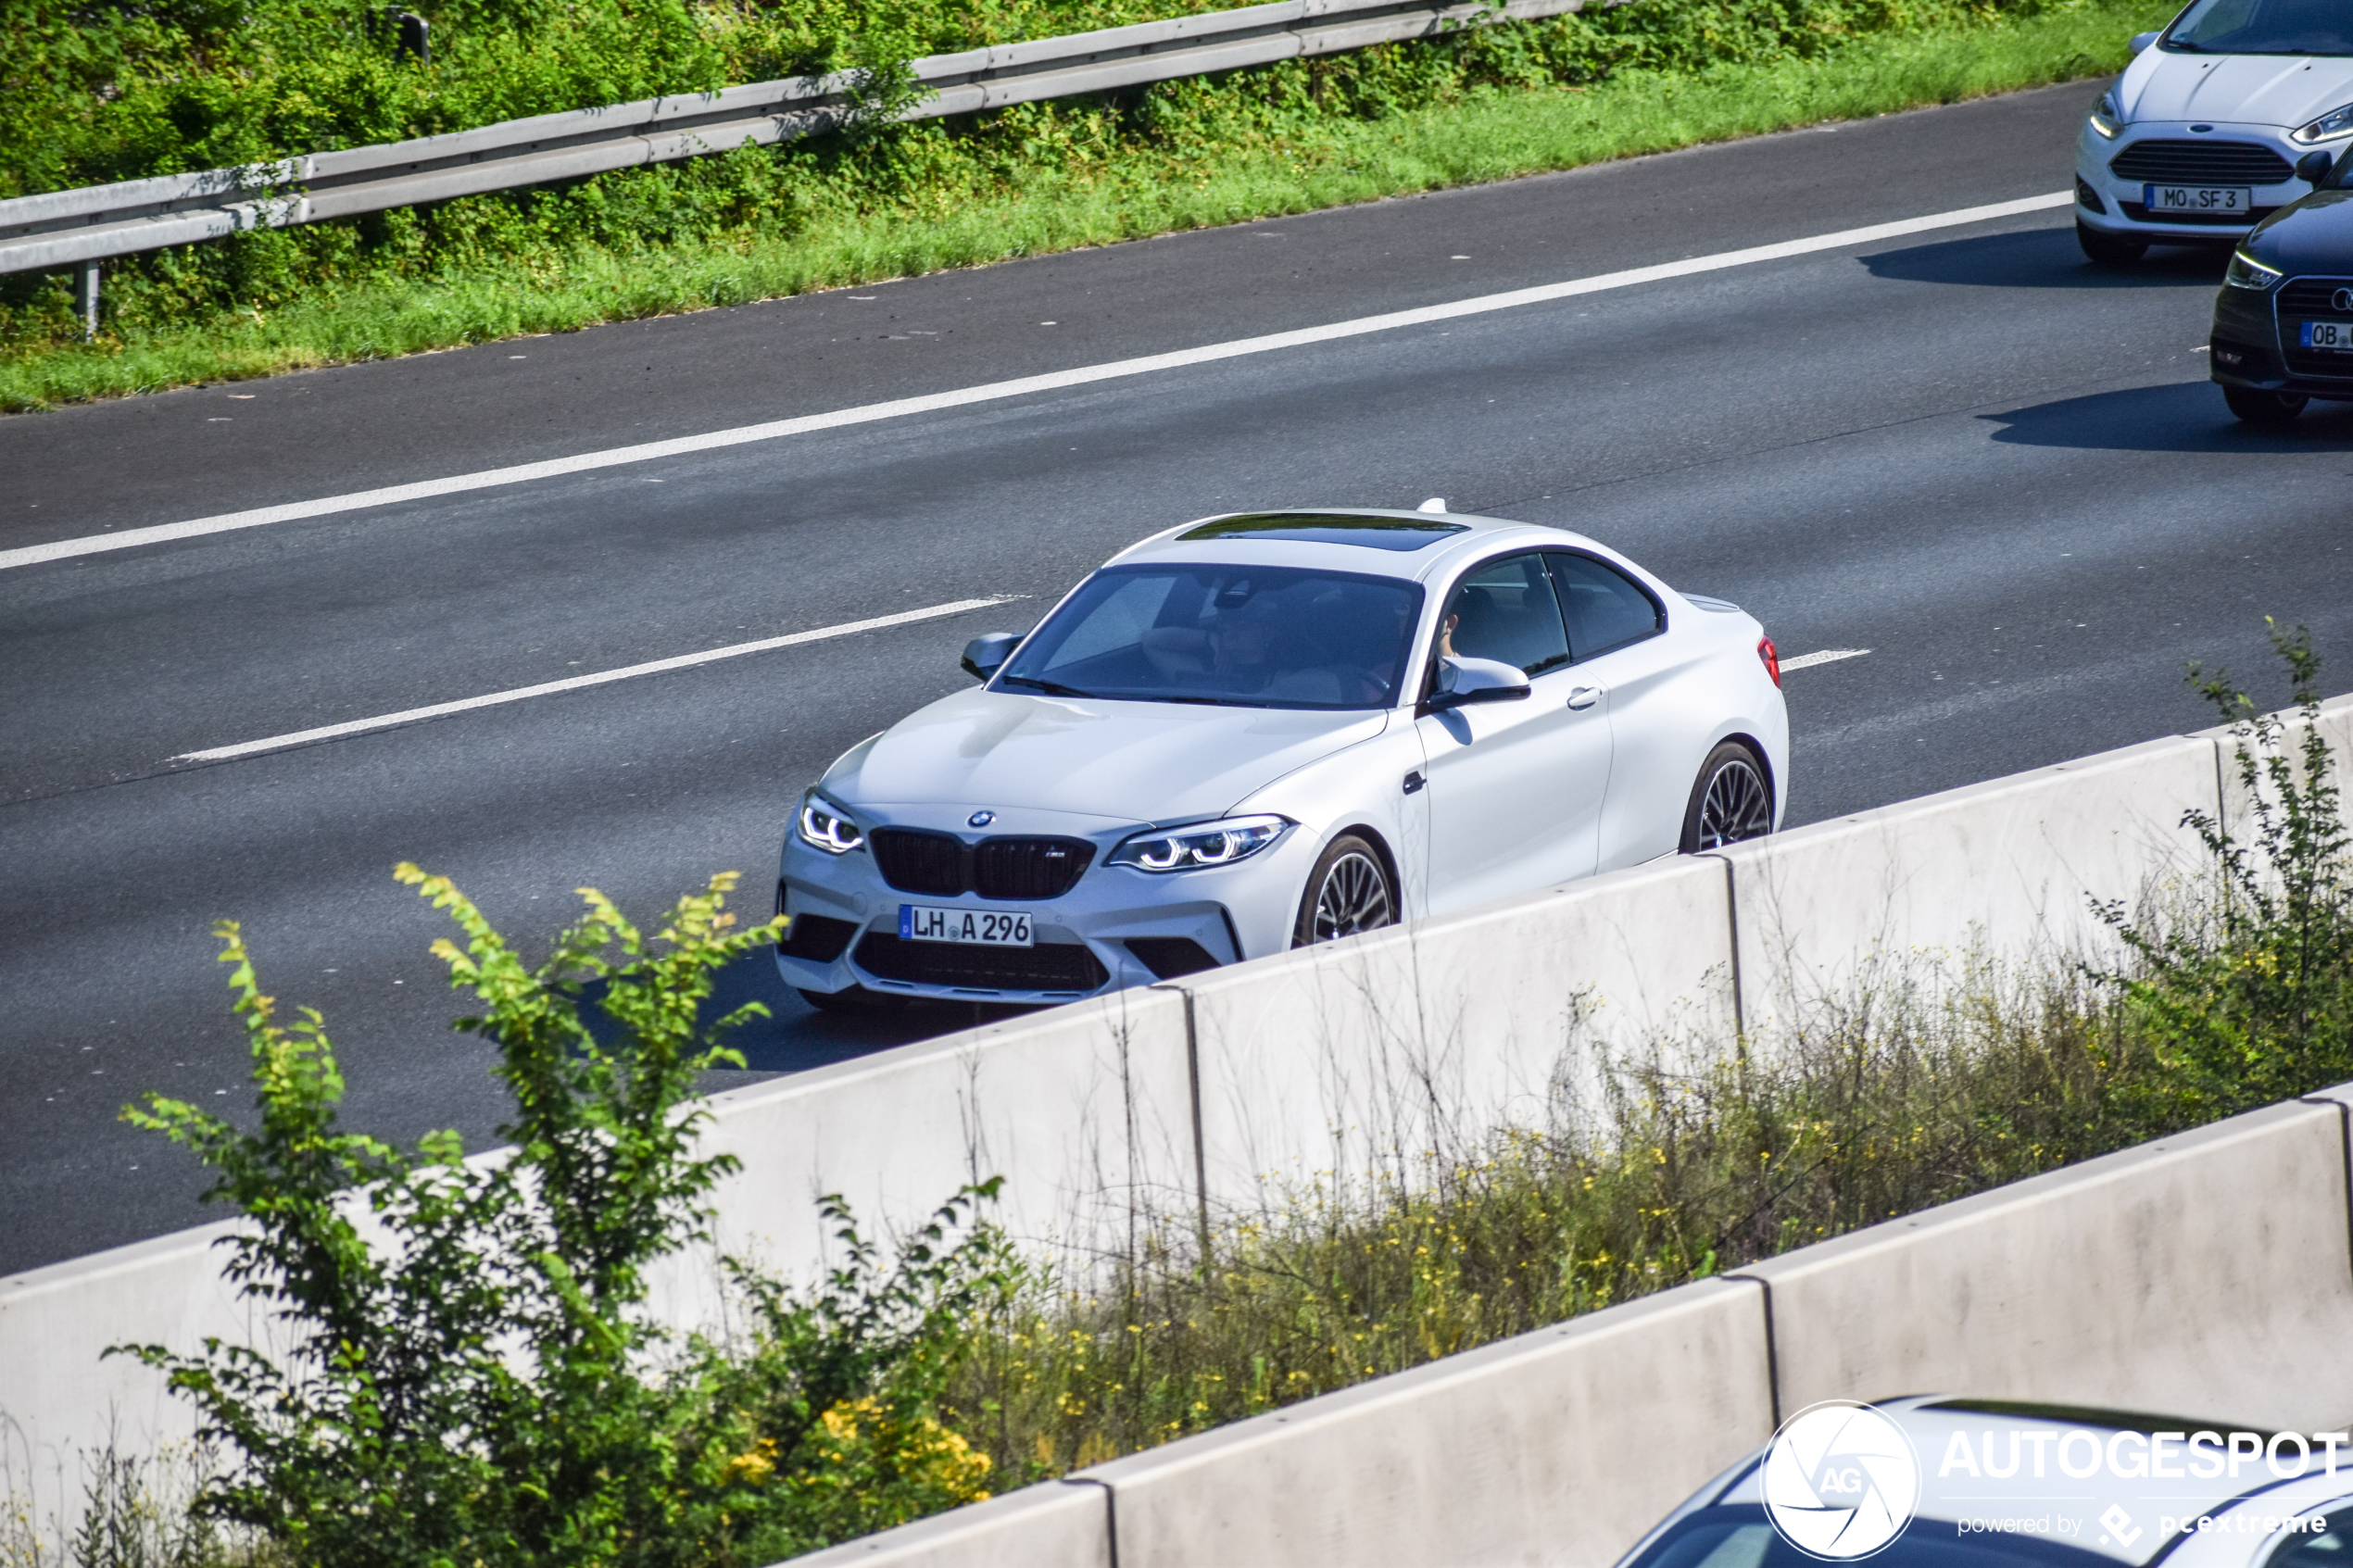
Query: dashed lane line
x=575, y=683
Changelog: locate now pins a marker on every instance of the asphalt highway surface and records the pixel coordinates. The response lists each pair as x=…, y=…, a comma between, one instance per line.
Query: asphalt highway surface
x=1999, y=470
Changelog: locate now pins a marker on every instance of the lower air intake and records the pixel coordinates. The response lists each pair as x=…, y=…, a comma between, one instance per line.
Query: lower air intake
x=1050, y=966
x=1168, y=957
x=818, y=938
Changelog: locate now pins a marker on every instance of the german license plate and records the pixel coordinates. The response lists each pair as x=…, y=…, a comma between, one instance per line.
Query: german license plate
x=2218, y=199
x=980, y=928
x=2327, y=334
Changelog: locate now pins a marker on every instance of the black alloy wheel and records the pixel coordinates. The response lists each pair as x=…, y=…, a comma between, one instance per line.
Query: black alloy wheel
x=1730, y=801
x=2109, y=250
x=1349, y=891
x=2270, y=409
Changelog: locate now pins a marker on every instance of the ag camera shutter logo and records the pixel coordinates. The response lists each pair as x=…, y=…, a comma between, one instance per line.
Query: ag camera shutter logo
x=1841, y=1481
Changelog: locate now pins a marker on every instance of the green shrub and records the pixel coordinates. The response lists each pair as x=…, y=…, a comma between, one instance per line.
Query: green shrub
x=2247, y=996
x=465, y=1371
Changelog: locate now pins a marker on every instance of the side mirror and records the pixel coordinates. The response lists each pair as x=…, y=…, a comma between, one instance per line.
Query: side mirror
x=985, y=654
x=2313, y=167
x=1462, y=682
x=2141, y=41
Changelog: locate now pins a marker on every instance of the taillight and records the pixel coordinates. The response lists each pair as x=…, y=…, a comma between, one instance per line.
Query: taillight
x=1765, y=651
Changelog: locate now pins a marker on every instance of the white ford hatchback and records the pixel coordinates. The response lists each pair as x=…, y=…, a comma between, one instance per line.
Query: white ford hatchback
x=2236, y=109
x=1257, y=732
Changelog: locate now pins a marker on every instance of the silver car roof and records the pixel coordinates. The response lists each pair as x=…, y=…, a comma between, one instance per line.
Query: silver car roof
x=1478, y=536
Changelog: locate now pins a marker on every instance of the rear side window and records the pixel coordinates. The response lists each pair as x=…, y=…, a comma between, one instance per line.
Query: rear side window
x=1505, y=610
x=1607, y=609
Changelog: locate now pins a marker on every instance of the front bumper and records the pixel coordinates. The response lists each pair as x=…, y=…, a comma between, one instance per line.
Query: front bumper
x=2112, y=201
x=2251, y=346
x=1115, y=927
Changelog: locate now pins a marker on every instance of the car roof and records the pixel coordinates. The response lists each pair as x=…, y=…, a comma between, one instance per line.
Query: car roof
x=1290, y=537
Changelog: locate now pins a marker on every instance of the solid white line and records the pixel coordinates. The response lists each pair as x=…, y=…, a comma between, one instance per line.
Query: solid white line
x=523, y=473
x=574, y=684
x=1828, y=656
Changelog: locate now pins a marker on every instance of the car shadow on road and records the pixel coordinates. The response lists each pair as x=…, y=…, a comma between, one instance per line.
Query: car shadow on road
x=795, y=1036
x=2187, y=417
x=2043, y=258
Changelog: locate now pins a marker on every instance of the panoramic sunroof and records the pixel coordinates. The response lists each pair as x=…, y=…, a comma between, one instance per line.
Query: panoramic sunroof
x=1373, y=533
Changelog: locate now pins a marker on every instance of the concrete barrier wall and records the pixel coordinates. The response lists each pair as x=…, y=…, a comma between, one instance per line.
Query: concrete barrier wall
x=1547, y=1447
x=1086, y=1111
x=59, y=1397
x=2206, y=1275
x=1338, y=1062
x=1197, y=1098
x=2006, y=865
x=2336, y=728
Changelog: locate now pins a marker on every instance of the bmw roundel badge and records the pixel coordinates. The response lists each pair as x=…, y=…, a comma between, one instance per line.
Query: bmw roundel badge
x=980, y=818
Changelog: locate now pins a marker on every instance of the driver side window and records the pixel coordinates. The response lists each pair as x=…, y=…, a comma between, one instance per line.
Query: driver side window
x=1505, y=610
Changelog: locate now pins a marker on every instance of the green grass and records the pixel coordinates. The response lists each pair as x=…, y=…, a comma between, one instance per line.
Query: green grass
x=1048, y=202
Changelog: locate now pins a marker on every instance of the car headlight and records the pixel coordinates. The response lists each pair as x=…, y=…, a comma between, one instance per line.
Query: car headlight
x=822, y=826
x=1206, y=844
x=2105, y=118
x=2246, y=272
x=2337, y=122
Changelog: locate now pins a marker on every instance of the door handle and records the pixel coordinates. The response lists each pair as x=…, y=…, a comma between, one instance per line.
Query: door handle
x=1584, y=697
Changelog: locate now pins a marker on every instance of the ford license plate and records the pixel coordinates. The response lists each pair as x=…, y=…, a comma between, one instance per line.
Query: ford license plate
x=2327, y=334
x=2218, y=199
x=984, y=928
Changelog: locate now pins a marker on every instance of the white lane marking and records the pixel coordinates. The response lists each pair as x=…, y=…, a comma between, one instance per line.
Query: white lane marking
x=523, y=473
x=574, y=684
x=1828, y=656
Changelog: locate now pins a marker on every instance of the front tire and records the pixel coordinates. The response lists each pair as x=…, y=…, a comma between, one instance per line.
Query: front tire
x=2108, y=250
x=1349, y=891
x=1730, y=801
x=2273, y=411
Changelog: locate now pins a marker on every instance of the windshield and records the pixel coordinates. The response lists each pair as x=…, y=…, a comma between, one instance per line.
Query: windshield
x=2265, y=27
x=1738, y=1536
x=1242, y=636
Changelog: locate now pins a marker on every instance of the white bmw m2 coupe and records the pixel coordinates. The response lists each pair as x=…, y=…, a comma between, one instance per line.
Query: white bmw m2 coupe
x=1258, y=732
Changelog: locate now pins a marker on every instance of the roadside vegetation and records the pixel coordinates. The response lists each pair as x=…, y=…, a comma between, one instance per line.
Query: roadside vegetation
x=477, y=1377
x=1919, y=1086
x=91, y=93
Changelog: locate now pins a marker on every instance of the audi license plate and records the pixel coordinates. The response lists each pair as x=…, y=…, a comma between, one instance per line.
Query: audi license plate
x=2327, y=334
x=985, y=928
x=2198, y=198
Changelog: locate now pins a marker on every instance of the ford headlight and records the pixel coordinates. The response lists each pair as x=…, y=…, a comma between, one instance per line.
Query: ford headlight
x=2337, y=122
x=1206, y=844
x=2246, y=272
x=2105, y=118
x=824, y=826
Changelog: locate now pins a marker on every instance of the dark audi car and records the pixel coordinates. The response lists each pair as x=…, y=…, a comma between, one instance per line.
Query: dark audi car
x=2283, y=321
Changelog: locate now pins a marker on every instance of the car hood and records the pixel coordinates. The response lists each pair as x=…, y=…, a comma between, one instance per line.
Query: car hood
x=1139, y=761
x=2314, y=235
x=2283, y=90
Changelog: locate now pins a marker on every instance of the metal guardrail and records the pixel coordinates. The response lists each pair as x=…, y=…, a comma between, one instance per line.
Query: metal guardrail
x=96, y=222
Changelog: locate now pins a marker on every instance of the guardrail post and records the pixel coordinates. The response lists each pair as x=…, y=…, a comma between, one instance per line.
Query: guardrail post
x=89, y=295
